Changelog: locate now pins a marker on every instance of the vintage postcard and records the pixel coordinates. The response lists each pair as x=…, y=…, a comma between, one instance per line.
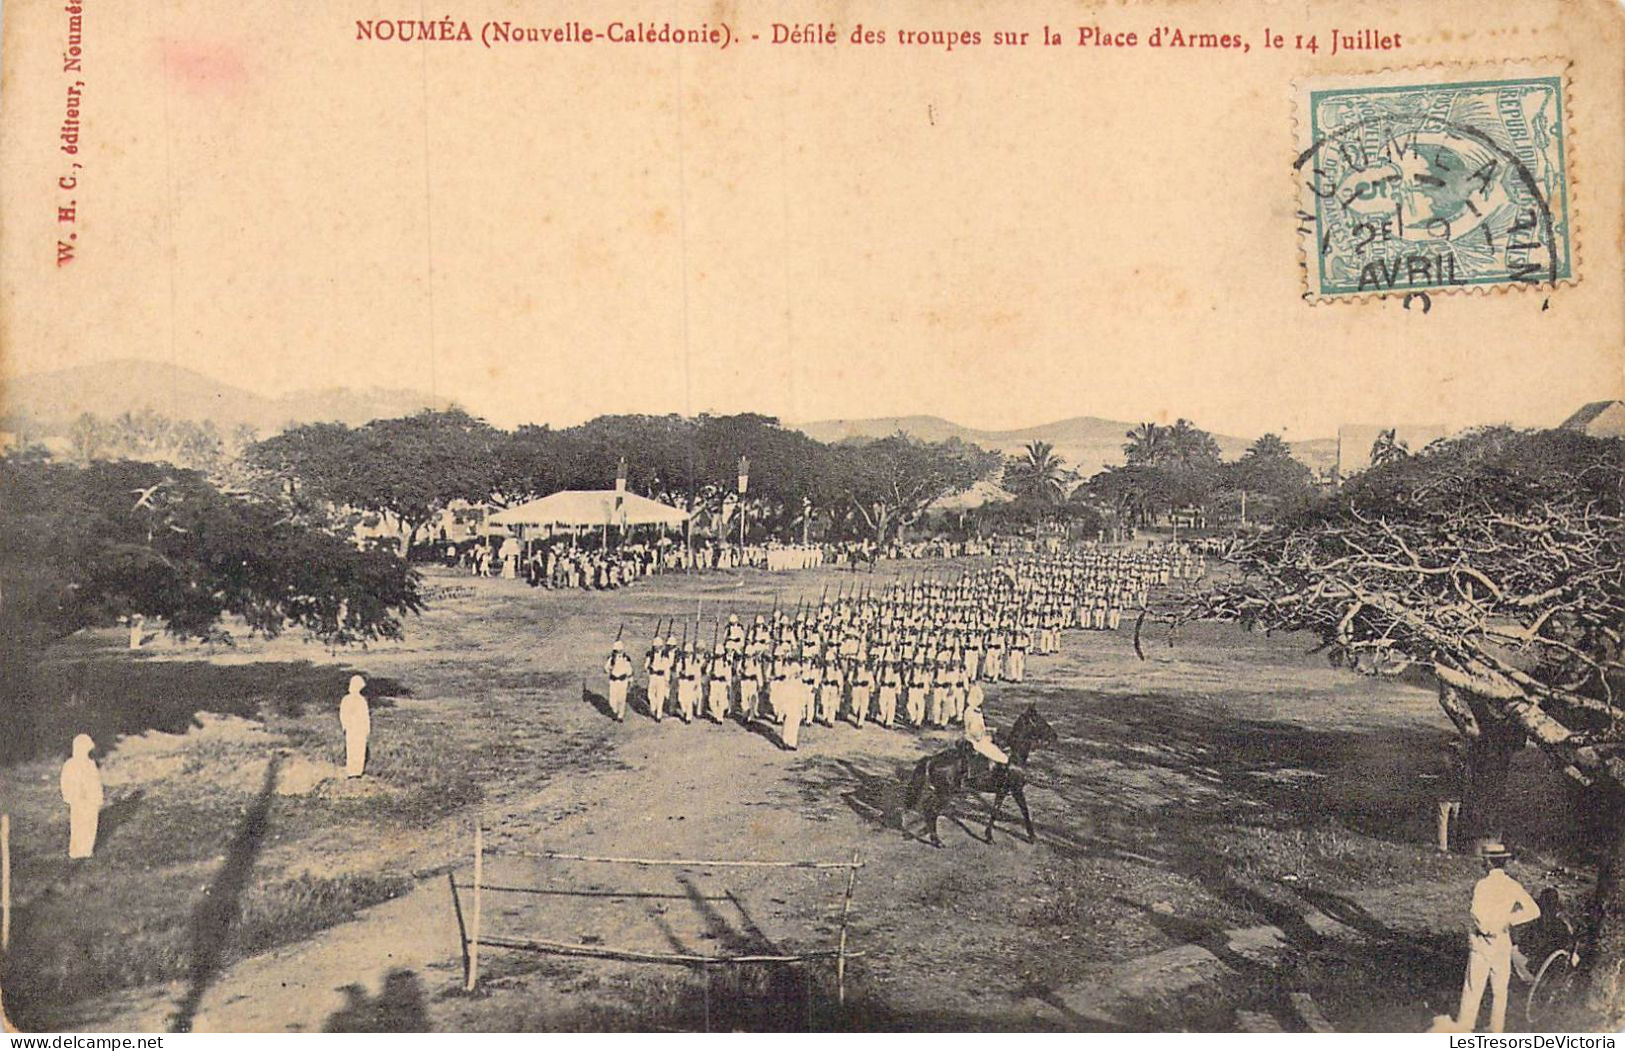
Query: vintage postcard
x=883, y=517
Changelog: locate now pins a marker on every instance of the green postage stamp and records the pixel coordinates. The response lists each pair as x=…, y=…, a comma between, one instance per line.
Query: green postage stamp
x=1436, y=179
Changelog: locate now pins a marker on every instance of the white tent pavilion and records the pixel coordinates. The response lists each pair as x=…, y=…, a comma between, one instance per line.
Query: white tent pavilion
x=575, y=510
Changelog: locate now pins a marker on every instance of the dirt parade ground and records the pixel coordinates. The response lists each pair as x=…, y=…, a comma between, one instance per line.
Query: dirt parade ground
x=1230, y=834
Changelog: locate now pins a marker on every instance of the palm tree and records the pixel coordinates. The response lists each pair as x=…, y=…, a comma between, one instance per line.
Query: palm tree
x=1189, y=446
x=1039, y=475
x=1270, y=446
x=1146, y=443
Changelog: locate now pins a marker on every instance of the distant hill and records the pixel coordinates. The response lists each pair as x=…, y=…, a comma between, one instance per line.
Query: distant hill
x=1088, y=444
x=46, y=403
x=925, y=428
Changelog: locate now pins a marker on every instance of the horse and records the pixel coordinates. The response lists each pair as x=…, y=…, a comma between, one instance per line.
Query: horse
x=855, y=556
x=938, y=778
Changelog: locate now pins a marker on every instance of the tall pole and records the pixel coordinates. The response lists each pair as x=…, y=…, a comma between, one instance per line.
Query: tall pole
x=846, y=911
x=744, y=487
x=5, y=882
x=620, y=503
x=474, y=940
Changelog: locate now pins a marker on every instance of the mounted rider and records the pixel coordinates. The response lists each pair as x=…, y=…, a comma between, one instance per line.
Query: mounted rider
x=975, y=732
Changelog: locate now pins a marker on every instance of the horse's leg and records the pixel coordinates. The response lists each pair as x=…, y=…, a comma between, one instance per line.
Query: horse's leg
x=1020, y=795
x=998, y=801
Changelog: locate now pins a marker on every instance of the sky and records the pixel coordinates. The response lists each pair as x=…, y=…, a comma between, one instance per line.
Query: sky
x=544, y=235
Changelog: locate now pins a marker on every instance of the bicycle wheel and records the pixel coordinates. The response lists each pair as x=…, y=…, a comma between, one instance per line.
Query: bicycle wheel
x=1551, y=986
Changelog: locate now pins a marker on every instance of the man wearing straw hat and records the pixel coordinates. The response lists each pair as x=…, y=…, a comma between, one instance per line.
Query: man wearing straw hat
x=1500, y=903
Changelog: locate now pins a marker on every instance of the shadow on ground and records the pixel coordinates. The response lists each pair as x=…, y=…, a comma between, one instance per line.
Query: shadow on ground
x=214, y=916
x=107, y=694
x=399, y=1007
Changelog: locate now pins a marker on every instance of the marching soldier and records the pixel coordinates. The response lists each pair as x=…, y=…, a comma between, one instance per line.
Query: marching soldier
x=1021, y=640
x=787, y=702
x=862, y=690
x=811, y=676
x=919, y=689
x=993, y=664
x=688, y=683
x=719, y=684
x=891, y=681
x=829, y=690
x=619, y=669
x=750, y=686
x=954, y=708
x=658, y=664
x=973, y=653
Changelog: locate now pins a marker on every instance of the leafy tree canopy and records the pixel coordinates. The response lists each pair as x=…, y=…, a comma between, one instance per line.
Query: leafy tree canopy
x=83, y=546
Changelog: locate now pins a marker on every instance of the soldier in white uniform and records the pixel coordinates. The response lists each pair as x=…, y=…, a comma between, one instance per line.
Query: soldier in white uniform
x=788, y=703
x=688, y=683
x=751, y=674
x=618, y=667
x=976, y=733
x=862, y=691
x=658, y=663
x=891, y=681
x=719, y=684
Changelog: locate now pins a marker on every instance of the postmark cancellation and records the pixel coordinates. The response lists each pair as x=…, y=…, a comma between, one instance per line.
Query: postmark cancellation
x=1437, y=179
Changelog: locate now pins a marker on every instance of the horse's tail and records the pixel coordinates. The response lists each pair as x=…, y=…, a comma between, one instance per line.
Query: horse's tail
x=916, y=784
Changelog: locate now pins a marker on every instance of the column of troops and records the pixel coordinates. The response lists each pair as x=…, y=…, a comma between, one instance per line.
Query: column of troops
x=913, y=653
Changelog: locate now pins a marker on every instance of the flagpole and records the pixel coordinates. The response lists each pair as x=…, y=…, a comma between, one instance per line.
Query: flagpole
x=744, y=486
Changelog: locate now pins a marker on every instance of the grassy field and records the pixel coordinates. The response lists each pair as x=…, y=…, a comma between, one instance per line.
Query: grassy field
x=1223, y=824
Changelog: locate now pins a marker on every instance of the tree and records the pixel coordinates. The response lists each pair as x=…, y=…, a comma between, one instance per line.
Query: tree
x=408, y=469
x=1189, y=449
x=1269, y=476
x=85, y=546
x=785, y=467
x=889, y=482
x=1038, y=476
x=1388, y=449
x=1146, y=444
x=1175, y=466
x=1268, y=447
x=1134, y=494
x=1496, y=561
x=87, y=438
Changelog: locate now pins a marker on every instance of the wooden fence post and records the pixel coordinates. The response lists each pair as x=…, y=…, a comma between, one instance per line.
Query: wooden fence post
x=5, y=882
x=840, y=953
x=474, y=934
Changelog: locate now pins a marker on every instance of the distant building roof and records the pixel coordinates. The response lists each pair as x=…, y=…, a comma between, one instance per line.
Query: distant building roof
x=1600, y=419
